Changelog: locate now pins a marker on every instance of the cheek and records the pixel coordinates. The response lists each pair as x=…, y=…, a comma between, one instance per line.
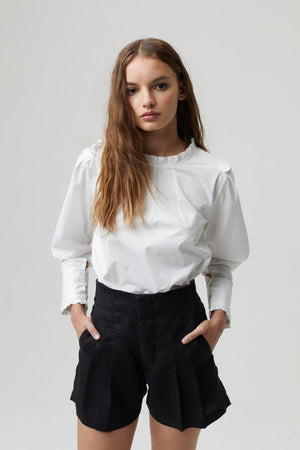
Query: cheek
x=170, y=100
x=132, y=103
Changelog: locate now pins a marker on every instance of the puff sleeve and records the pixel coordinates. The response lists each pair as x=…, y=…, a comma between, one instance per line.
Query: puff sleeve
x=71, y=242
x=227, y=238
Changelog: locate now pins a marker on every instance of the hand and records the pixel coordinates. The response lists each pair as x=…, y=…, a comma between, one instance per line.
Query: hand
x=211, y=329
x=81, y=321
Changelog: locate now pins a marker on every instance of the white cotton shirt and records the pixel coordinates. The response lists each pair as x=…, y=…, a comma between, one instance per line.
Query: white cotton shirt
x=195, y=227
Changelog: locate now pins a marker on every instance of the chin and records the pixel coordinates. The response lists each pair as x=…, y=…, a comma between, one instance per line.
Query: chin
x=151, y=127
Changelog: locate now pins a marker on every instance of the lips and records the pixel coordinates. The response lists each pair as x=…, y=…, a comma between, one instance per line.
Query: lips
x=150, y=113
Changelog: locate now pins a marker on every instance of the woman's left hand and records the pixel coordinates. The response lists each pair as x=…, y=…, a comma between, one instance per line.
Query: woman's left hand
x=211, y=329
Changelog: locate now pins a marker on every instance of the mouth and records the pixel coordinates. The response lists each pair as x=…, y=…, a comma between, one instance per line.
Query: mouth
x=150, y=115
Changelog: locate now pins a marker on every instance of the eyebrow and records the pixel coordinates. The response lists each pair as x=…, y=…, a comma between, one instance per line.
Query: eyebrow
x=130, y=83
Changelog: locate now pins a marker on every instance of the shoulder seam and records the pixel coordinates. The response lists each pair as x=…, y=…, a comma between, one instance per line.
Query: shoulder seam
x=88, y=153
x=225, y=165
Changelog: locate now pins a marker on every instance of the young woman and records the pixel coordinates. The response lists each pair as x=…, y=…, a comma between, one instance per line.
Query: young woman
x=151, y=208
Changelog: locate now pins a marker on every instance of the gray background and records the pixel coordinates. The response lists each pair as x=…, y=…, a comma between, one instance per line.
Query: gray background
x=57, y=57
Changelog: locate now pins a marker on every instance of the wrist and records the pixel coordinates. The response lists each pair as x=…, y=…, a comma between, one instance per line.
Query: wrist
x=77, y=309
x=219, y=316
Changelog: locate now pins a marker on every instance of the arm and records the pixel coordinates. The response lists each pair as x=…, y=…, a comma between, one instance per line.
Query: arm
x=227, y=237
x=71, y=243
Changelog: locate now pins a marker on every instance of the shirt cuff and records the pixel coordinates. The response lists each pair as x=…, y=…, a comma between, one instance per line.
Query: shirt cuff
x=219, y=291
x=66, y=310
x=75, y=275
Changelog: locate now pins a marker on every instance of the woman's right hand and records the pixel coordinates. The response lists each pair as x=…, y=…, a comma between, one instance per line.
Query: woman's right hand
x=81, y=321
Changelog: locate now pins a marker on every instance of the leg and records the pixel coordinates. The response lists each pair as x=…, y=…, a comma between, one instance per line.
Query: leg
x=168, y=438
x=90, y=439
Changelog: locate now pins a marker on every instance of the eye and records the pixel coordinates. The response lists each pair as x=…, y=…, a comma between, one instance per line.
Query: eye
x=131, y=89
x=162, y=84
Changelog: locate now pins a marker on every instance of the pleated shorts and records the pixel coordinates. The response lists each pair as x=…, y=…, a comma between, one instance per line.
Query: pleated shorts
x=140, y=352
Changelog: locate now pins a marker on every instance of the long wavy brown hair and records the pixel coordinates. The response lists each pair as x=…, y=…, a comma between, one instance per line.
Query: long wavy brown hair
x=125, y=173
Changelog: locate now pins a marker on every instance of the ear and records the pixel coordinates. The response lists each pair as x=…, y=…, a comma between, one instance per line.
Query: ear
x=181, y=95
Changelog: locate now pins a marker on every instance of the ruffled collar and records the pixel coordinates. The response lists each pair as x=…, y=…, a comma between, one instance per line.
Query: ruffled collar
x=173, y=159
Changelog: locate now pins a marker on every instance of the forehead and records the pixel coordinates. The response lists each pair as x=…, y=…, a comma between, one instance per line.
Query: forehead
x=143, y=68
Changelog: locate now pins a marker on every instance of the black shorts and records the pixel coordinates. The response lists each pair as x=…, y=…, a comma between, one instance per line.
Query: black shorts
x=140, y=347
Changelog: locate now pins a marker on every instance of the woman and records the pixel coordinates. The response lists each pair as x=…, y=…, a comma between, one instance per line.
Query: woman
x=151, y=209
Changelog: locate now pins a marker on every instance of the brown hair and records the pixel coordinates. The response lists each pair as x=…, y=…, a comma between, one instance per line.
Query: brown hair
x=125, y=172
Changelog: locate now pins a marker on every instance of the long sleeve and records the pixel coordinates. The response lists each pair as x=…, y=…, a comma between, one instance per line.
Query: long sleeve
x=227, y=237
x=71, y=243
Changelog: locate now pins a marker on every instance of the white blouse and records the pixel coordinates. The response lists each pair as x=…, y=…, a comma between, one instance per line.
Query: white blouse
x=195, y=227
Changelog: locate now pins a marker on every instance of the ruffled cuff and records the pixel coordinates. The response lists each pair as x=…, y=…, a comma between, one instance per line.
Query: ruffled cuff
x=75, y=276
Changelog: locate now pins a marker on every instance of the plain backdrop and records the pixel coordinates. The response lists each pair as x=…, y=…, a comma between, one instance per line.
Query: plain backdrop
x=56, y=63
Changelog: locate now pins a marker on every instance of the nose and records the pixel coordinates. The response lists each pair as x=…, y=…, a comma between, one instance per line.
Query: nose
x=148, y=99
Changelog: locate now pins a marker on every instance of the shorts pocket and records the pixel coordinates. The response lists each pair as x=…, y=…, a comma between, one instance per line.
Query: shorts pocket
x=200, y=316
x=206, y=343
x=85, y=331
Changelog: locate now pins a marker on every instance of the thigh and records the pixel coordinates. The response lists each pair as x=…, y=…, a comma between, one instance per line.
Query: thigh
x=109, y=385
x=91, y=439
x=164, y=437
x=185, y=389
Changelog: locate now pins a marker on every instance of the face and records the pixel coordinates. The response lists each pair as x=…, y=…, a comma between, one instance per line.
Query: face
x=152, y=86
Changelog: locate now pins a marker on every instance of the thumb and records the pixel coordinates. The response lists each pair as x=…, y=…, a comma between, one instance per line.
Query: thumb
x=200, y=329
x=93, y=330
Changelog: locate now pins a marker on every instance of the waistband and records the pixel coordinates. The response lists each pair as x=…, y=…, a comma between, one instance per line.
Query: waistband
x=101, y=287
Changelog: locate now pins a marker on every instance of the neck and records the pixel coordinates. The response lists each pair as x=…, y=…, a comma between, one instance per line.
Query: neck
x=164, y=142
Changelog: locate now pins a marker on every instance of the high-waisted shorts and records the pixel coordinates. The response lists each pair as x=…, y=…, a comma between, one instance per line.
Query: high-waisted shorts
x=140, y=347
